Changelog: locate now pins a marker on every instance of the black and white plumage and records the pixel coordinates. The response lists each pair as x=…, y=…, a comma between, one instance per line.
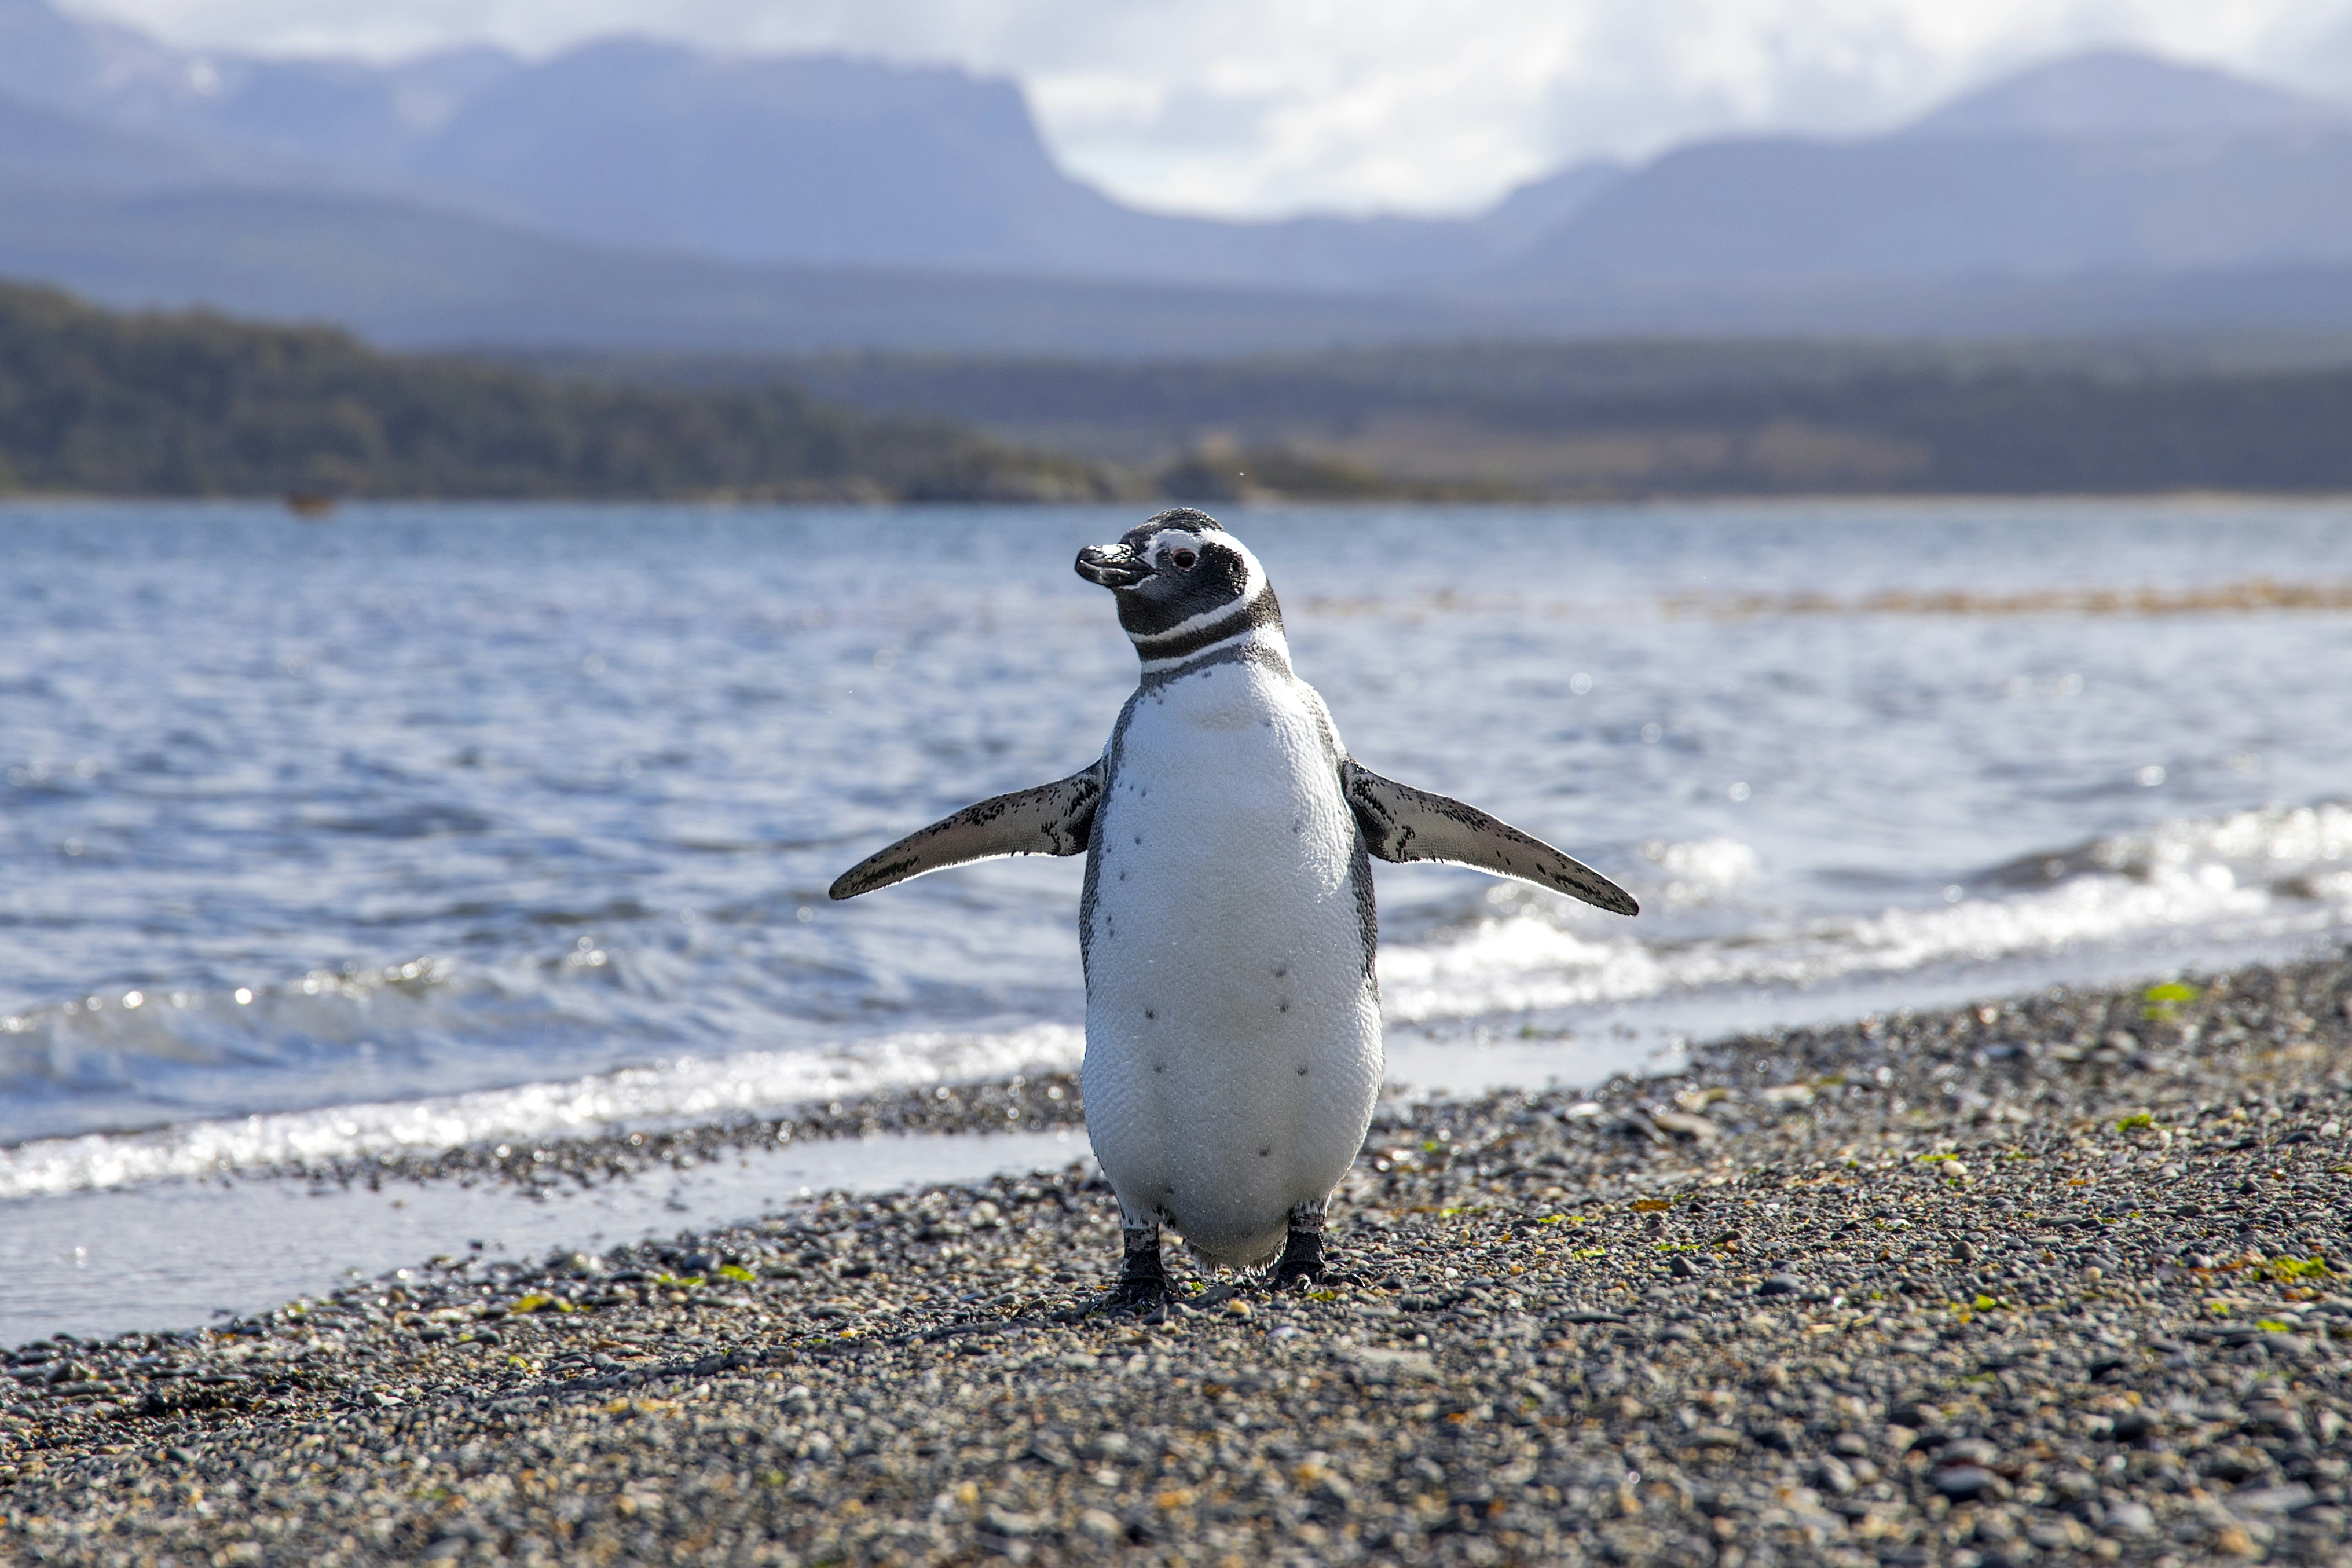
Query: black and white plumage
x=1228, y=925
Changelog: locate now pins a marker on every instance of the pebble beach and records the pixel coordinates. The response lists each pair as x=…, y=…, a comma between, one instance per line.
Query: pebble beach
x=2056, y=1278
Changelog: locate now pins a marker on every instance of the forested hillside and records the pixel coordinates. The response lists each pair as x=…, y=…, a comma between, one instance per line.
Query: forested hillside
x=1629, y=417
x=197, y=404
x=98, y=403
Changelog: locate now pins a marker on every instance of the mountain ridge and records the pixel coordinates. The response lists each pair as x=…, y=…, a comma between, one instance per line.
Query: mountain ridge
x=2105, y=93
x=628, y=189
x=1951, y=207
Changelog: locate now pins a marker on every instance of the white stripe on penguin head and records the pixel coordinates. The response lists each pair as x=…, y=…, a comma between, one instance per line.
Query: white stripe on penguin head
x=1252, y=584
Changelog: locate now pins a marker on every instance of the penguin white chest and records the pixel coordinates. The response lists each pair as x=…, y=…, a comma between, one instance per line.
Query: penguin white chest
x=1232, y=1027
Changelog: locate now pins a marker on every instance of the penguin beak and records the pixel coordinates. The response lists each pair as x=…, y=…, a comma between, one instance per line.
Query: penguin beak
x=1112, y=567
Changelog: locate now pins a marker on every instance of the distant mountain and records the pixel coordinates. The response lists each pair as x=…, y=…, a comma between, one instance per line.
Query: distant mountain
x=1954, y=207
x=433, y=203
x=2112, y=93
x=816, y=159
x=411, y=275
x=631, y=193
x=826, y=160
x=79, y=65
x=837, y=161
x=2105, y=163
x=347, y=116
x=45, y=147
x=1528, y=212
x=809, y=159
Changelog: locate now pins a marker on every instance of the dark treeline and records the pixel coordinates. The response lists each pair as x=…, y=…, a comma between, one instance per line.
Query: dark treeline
x=96, y=402
x=1658, y=418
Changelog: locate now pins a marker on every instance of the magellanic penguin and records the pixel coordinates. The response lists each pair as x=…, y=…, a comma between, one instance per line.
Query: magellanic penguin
x=1233, y=1051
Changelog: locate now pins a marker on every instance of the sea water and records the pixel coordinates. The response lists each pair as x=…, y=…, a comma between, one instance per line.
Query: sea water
x=432, y=823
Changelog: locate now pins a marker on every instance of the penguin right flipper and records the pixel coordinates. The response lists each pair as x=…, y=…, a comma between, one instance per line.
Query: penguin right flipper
x=1401, y=823
x=1052, y=819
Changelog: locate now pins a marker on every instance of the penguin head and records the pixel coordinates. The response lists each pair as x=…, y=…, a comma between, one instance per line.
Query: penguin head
x=1179, y=577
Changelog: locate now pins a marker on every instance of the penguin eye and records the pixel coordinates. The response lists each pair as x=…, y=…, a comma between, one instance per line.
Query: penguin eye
x=1184, y=559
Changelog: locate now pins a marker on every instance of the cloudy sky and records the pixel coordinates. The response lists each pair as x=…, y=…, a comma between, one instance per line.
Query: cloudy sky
x=1239, y=107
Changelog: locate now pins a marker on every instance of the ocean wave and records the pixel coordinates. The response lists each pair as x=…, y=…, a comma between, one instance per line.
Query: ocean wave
x=2266, y=873
x=688, y=1089
x=2276, y=844
x=89, y=1037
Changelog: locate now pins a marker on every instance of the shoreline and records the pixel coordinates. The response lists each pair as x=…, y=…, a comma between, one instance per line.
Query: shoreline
x=2065, y=1274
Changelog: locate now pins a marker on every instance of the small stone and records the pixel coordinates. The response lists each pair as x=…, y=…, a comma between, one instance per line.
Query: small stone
x=1782, y=1285
x=2060, y=1535
x=1004, y=1522
x=2234, y=1540
x=2129, y=1518
x=1963, y=1482
x=1682, y=1124
x=1099, y=1526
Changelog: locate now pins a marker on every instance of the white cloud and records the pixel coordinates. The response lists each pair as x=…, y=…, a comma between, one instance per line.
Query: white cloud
x=1246, y=107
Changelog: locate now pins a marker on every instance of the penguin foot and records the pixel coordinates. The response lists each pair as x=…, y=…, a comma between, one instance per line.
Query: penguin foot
x=1301, y=1263
x=1136, y=1295
x=1142, y=1278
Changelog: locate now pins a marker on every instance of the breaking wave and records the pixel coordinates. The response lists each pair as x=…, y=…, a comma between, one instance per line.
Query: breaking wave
x=686, y=1091
x=2272, y=871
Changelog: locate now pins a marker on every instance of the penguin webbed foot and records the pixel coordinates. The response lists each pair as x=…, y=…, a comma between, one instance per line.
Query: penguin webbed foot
x=1139, y=1296
x=1301, y=1266
x=1142, y=1277
x=1301, y=1263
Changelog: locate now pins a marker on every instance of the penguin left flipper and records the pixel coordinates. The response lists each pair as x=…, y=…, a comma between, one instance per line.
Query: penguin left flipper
x=1052, y=819
x=1401, y=823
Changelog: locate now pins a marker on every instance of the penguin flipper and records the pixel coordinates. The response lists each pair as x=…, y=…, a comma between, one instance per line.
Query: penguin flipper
x=1401, y=823
x=1052, y=819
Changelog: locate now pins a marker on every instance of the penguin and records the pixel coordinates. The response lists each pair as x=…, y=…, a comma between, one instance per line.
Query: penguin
x=1227, y=929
